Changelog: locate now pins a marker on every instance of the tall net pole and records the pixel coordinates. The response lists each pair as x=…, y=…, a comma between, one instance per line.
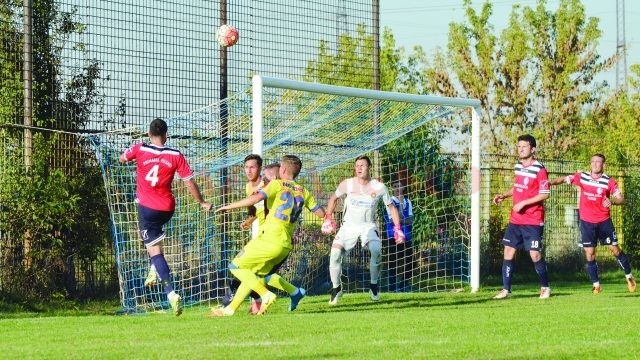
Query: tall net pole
x=621, y=48
x=224, y=114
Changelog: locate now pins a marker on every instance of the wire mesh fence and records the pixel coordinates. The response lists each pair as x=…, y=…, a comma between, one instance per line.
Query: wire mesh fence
x=109, y=65
x=89, y=66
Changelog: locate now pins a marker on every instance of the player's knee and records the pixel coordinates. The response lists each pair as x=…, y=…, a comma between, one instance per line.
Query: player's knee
x=375, y=248
x=335, y=259
x=615, y=250
x=540, y=266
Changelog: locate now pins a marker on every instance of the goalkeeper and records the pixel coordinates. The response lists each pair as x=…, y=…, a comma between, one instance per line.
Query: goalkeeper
x=285, y=199
x=362, y=197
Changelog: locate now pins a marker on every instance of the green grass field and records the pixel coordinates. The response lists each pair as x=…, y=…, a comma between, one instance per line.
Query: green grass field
x=573, y=323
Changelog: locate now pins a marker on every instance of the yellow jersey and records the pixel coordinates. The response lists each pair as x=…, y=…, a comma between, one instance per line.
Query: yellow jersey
x=285, y=199
x=250, y=190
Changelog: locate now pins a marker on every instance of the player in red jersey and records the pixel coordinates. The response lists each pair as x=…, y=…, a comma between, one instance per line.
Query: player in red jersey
x=598, y=192
x=156, y=166
x=526, y=223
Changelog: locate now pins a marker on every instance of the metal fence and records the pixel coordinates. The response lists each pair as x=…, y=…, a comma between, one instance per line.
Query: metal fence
x=107, y=65
x=86, y=66
x=561, y=231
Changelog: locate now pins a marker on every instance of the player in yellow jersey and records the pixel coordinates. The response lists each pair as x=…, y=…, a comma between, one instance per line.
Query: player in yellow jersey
x=285, y=200
x=252, y=166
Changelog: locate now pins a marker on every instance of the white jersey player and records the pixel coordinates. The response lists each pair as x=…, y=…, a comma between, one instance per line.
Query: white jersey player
x=363, y=195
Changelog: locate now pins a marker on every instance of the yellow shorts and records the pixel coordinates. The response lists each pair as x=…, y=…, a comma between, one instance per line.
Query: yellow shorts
x=260, y=256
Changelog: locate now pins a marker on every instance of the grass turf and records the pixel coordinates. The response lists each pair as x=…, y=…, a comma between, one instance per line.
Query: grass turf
x=573, y=323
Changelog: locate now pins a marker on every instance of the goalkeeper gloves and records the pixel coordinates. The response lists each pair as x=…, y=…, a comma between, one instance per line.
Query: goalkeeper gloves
x=398, y=234
x=328, y=226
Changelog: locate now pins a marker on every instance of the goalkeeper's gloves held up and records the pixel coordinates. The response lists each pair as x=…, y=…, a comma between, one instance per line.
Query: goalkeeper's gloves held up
x=328, y=226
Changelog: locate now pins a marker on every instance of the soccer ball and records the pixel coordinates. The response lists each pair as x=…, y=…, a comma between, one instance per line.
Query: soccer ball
x=227, y=35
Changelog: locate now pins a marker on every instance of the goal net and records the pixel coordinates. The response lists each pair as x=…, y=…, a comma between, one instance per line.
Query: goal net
x=419, y=144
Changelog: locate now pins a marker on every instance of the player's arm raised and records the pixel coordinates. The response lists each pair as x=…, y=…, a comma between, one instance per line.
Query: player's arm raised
x=195, y=192
x=248, y=201
x=251, y=217
x=562, y=179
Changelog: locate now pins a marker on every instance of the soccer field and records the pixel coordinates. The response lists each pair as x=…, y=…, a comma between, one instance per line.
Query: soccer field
x=573, y=323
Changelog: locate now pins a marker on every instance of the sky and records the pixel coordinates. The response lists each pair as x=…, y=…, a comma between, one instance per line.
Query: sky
x=426, y=23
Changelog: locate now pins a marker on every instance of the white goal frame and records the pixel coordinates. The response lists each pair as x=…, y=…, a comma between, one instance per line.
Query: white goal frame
x=260, y=82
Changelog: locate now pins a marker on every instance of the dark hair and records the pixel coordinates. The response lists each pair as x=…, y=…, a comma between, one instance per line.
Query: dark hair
x=364, y=157
x=271, y=166
x=158, y=127
x=293, y=163
x=255, y=157
x=600, y=156
x=528, y=138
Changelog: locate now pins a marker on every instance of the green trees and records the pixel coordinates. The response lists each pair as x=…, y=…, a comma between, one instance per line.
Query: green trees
x=537, y=75
x=52, y=212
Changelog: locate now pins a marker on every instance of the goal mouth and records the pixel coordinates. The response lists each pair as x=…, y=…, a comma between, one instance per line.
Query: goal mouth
x=422, y=142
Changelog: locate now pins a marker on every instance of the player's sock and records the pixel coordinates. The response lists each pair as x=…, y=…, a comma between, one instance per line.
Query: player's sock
x=241, y=294
x=278, y=282
x=162, y=268
x=623, y=261
x=249, y=279
x=541, y=269
x=592, y=269
x=375, y=249
x=507, y=274
x=235, y=284
x=254, y=295
x=374, y=288
x=335, y=266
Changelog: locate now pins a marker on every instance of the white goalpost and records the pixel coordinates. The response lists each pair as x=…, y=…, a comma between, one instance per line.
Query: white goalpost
x=430, y=145
x=260, y=83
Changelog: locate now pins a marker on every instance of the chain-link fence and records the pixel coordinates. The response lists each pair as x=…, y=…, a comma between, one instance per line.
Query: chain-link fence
x=82, y=67
x=561, y=231
x=104, y=66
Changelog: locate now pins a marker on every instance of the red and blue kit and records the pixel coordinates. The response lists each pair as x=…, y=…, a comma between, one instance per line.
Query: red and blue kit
x=529, y=182
x=592, y=194
x=156, y=167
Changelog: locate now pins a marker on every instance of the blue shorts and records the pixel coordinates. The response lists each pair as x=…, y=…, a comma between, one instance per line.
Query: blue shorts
x=528, y=237
x=151, y=222
x=603, y=231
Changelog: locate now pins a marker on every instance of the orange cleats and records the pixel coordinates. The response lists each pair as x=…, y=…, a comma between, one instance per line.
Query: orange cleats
x=596, y=290
x=221, y=311
x=631, y=284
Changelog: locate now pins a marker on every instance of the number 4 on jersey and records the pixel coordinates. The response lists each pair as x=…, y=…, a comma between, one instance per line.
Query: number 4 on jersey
x=152, y=175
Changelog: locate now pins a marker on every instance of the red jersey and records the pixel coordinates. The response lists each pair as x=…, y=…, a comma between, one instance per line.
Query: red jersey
x=592, y=194
x=529, y=182
x=156, y=167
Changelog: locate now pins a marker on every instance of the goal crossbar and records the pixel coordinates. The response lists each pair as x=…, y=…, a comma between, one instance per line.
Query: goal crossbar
x=259, y=83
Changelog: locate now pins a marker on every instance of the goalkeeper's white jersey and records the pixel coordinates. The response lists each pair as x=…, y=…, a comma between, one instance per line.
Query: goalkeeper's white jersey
x=361, y=202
